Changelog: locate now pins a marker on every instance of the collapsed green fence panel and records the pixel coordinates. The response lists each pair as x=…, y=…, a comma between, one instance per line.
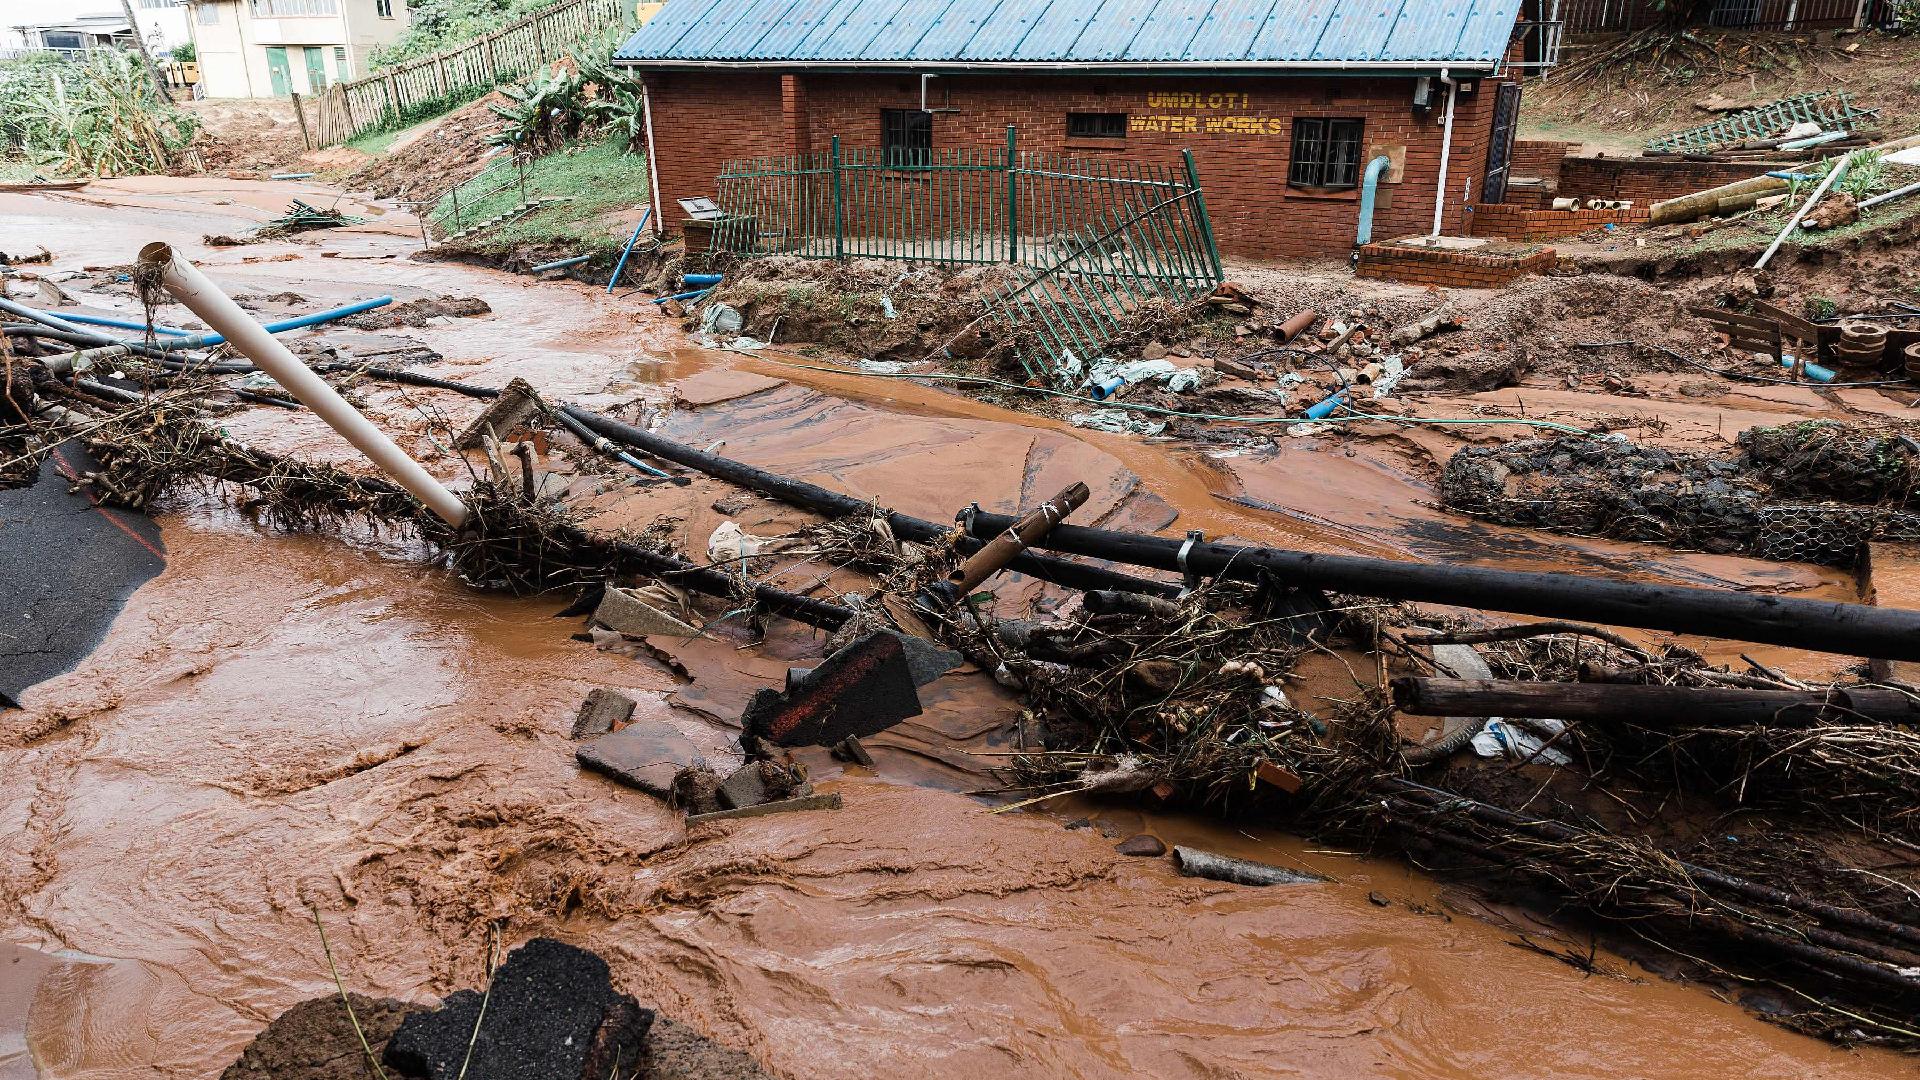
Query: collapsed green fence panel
x=1831, y=109
x=1094, y=241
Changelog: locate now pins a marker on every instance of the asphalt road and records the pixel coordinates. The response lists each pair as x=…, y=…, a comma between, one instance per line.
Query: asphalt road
x=67, y=566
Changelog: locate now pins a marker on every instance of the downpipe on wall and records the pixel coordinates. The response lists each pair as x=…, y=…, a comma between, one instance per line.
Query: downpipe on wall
x=1446, y=151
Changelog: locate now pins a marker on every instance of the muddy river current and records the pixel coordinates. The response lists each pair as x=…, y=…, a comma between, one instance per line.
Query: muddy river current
x=282, y=725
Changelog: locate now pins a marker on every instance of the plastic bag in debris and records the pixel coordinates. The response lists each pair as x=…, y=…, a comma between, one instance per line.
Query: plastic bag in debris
x=1392, y=370
x=1805, y=129
x=744, y=344
x=1178, y=379
x=257, y=381
x=1118, y=421
x=720, y=319
x=730, y=543
x=1503, y=738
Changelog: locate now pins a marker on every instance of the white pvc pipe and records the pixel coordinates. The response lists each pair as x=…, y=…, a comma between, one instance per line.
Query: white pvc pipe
x=1833, y=174
x=1446, y=151
x=189, y=286
x=653, y=157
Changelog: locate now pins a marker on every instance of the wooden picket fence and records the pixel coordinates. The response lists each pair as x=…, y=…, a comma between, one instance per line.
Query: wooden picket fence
x=511, y=52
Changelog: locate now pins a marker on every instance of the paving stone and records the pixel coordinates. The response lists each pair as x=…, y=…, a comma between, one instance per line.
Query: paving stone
x=646, y=755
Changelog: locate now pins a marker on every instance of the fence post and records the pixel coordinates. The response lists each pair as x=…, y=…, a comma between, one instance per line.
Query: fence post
x=1013, y=204
x=300, y=114
x=1200, y=215
x=839, y=216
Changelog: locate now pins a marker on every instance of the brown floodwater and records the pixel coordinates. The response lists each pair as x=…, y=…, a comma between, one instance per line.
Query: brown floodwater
x=279, y=725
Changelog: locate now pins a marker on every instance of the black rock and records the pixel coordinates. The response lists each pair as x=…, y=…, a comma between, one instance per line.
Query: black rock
x=552, y=1014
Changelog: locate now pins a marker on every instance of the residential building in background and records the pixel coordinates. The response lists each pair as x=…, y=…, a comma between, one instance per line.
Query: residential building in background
x=73, y=26
x=273, y=48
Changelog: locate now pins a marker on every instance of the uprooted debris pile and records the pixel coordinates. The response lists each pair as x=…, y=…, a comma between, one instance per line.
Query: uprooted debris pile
x=1812, y=491
x=419, y=312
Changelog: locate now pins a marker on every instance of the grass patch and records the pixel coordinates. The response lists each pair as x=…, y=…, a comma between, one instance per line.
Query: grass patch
x=374, y=144
x=599, y=178
x=15, y=171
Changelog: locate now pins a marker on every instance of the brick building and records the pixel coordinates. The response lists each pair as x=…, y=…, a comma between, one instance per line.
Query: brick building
x=1284, y=104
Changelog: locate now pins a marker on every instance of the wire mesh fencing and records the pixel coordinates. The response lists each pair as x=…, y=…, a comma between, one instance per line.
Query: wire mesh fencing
x=1095, y=240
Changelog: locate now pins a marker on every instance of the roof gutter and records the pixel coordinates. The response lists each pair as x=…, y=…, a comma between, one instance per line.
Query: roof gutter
x=1179, y=67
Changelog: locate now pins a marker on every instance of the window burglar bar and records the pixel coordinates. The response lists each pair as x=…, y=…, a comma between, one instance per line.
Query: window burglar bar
x=1326, y=153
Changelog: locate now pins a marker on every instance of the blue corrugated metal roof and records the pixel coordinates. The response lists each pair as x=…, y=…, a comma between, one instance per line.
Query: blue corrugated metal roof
x=1107, y=34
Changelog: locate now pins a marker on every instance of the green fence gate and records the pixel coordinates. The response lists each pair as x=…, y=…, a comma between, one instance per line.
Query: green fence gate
x=1095, y=240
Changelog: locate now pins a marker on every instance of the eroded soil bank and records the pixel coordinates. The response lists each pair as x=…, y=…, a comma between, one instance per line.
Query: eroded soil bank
x=281, y=724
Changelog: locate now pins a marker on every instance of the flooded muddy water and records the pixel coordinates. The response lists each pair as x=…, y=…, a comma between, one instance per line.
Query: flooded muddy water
x=280, y=725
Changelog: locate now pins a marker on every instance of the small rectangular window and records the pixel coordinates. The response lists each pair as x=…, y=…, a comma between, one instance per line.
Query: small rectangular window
x=207, y=14
x=1326, y=153
x=341, y=71
x=906, y=136
x=383, y=8
x=1096, y=125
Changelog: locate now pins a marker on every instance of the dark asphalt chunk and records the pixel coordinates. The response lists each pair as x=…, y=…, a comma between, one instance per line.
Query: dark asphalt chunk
x=66, y=567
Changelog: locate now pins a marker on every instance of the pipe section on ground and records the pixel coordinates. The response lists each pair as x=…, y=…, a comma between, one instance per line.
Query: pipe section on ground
x=188, y=285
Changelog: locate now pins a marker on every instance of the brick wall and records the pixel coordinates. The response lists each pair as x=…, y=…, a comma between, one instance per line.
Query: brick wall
x=1238, y=128
x=1540, y=158
x=1646, y=180
x=1522, y=223
x=1450, y=269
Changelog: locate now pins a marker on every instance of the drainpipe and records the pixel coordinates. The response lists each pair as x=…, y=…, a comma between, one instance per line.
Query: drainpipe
x=1446, y=151
x=202, y=297
x=1369, y=189
x=653, y=156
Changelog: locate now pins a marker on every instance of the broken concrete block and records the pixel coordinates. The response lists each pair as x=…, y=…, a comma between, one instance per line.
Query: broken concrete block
x=551, y=1014
x=927, y=660
x=624, y=611
x=516, y=405
x=601, y=711
x=864, y=688
x=851, y=749
x=647, y=755
x=746, y=787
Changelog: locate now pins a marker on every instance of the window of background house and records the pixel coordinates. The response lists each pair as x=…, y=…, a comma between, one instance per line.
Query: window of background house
x=906, y=136
x=1326, y=153
x=207, y=14
x=1096, y=125
x=341, y=70
x=383, y=8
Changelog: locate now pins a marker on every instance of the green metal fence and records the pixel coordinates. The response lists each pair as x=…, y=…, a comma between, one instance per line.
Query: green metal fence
x=1096, y=239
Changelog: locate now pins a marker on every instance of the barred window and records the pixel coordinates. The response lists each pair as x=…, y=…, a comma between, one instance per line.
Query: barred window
x=1096, y=125
x=906, y=136
x=1326, y=153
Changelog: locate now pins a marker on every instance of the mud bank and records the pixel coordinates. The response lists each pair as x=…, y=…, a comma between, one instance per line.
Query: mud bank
x=279, y=724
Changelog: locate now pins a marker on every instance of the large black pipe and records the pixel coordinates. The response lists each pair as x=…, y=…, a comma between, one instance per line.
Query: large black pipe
x=1813, y=625
x=835, y=504
x=797, y=492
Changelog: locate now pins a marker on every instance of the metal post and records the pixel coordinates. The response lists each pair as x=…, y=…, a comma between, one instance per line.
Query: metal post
x=839, y=216
x=1013, y=205
x=1200, y=214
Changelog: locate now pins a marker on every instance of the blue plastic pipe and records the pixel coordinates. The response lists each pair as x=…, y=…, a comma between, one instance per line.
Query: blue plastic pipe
x=558, y=264
x=1325, y=408
x=1369, y=188
x=628, y=250
x=685, y=295
x=700, y=281
x=126, y=324
x=1814, y=371
x=1104, y=390
x=189, y=340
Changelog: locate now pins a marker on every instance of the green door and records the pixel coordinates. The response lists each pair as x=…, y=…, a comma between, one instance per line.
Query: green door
x=316, y=69
x=278, y=72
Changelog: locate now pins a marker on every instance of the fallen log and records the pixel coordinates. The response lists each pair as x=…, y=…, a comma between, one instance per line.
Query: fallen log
x=1814, y=625
x=1693, y=706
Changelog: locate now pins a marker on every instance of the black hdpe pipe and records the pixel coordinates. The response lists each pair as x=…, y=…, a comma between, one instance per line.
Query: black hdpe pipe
x=1813, y=625
x=799, y=493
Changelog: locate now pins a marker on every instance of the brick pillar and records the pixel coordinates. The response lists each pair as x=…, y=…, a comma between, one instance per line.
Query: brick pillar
x=793, y=113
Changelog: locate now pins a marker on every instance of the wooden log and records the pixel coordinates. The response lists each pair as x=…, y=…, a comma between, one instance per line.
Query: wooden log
x=1814, y=625
x=1656, y=705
